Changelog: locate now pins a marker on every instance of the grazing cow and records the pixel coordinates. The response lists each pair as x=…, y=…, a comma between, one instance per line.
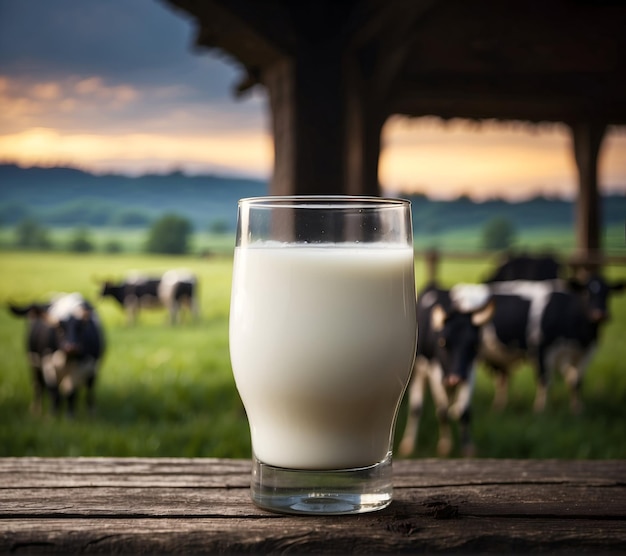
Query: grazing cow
x=448, y=340
x=519, y=267
x=65, y=344
x=553, y=323
x=133, y=293
x=172, y=290
x=178, y=288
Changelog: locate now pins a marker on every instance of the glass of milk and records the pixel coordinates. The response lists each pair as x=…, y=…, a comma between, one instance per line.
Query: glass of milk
x=322, y=343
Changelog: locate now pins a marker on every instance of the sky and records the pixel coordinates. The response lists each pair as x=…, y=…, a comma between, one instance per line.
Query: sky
x=117, y=85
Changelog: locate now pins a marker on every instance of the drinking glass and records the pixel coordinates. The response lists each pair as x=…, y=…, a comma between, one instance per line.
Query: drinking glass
x=322, y=344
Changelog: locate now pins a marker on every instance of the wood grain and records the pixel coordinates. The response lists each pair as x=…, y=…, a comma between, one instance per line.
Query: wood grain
x=142, y=505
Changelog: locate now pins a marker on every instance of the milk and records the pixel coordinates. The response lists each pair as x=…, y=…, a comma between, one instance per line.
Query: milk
x=322, y=342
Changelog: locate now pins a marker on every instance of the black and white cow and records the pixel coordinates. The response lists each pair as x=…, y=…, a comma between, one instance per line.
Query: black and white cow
x=528, y=267
x=553, y=323
x=134, y=292
x=449, y=323
x=65, y=345
x=178, y=289
x=173, y=290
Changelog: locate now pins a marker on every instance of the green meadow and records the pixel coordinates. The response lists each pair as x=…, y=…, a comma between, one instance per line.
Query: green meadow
x=169, y=391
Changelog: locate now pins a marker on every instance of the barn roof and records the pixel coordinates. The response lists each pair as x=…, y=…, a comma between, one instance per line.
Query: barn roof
x=534, y=60
x=335, y=70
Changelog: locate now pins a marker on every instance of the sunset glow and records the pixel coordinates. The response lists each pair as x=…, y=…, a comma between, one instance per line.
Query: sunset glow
x=235, y=153
x=447, y=160
x=443, y=160
x=494, y=159
x=134, y=125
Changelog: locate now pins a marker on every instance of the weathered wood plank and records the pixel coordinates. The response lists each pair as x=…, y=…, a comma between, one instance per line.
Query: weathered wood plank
x=418, y=472
x=121, y=466
x=388, y=533
x=164, y=505
x=492, y=500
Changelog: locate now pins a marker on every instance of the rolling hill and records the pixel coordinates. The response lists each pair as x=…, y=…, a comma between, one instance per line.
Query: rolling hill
x=70, y=197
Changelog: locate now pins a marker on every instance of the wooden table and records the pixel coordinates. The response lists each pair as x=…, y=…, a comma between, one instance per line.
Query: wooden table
x=155, y=506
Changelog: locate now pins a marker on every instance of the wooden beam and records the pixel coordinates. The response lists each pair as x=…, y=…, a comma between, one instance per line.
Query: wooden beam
x=308, y=121
x=587, y=139
x=329, y=101
x=534, y=97
x=375, y=56
x=279, y=82
x=254, y=34
x=362, y=143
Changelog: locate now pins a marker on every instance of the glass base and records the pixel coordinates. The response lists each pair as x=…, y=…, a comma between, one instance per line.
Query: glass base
x=334, y=492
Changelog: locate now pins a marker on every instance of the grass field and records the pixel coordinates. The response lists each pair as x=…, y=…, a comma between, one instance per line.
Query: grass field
x=167, y=391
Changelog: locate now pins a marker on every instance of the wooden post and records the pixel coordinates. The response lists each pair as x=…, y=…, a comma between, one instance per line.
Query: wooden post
x=330, y=93
x=309, y=121
x=364, y=122
x=587, y=138
x=279, y=82
x=431, y=258
x=329, y=101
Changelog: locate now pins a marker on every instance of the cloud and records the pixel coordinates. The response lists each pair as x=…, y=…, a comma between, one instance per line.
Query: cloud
x=73, y=104
x=146, y=42
x=114, y=66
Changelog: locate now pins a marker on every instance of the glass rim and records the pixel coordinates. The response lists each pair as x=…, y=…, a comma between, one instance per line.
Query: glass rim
x=324, y=201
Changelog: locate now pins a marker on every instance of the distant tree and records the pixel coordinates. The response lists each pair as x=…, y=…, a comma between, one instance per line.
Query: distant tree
x=169, y=235
x=29, y=234
x=80, y=242
x=499, y=233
